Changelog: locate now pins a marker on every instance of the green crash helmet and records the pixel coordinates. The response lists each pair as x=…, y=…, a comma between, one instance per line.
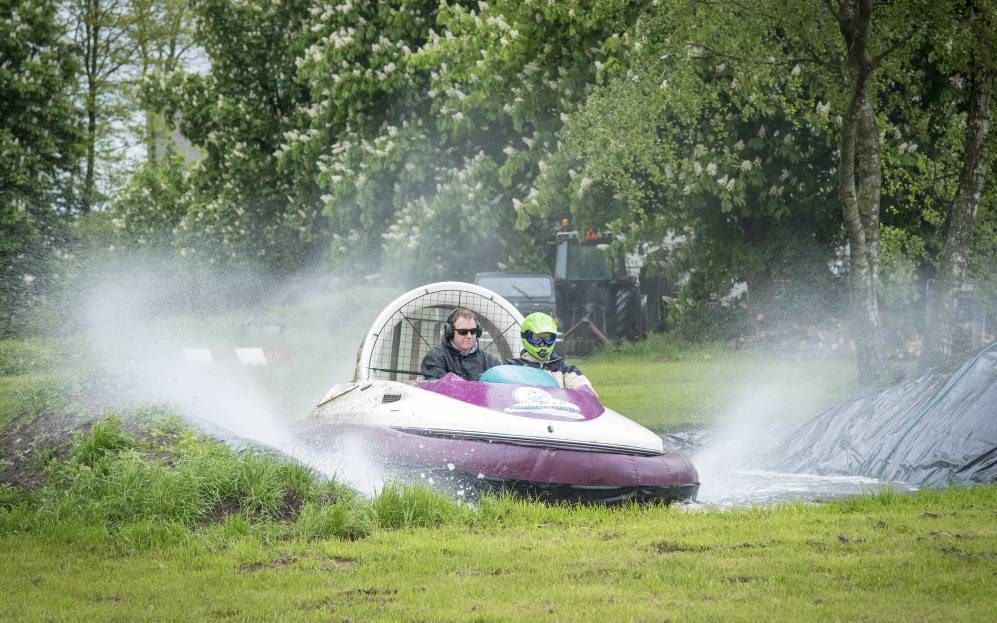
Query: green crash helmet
x=539, y=333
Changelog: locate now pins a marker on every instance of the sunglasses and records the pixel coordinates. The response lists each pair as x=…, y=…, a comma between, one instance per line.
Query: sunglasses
x=476, y=331
x=547, y=339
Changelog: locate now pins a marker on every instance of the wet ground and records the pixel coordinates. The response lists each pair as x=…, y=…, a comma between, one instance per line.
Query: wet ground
x=738, y=471
x=740, y=488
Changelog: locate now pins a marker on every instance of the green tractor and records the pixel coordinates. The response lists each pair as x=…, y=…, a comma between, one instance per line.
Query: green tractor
x=598, y=299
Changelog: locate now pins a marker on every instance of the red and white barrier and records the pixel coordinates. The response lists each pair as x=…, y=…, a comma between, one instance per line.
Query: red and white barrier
x=252, y=356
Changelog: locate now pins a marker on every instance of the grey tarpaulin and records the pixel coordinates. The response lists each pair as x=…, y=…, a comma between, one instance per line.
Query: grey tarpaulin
x=930, y=430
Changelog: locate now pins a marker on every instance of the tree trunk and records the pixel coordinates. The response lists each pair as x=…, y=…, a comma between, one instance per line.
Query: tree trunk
x=91, y=53
x=859, y=189
x=961, y=222
x=89, y=182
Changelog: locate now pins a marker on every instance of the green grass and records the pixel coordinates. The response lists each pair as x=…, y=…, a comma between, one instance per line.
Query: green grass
x=667, y=385
x=928, y=557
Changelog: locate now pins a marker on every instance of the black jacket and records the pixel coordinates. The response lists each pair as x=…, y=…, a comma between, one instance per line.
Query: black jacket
x=444, y=358
x=567, y=375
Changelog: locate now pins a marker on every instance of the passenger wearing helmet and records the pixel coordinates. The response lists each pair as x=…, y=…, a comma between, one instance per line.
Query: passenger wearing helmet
x=539, y=333
x=458, y=351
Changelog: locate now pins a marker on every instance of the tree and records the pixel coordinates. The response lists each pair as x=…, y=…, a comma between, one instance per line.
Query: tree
x=162, y=32
x=716, y=134
x=817, y=68
x=980, y=64
x=102, y=36
x=240, y=114
x=40, y=142
x=445, y=130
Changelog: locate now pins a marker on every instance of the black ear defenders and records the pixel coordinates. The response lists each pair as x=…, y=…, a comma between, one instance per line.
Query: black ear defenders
x=448, y=329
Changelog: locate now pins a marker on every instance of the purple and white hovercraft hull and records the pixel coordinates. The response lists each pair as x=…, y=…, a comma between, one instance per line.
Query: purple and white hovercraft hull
x=519, y=432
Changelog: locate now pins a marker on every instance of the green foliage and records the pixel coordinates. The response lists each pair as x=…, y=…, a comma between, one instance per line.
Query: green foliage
x=27, y=355
x=237, y=209
x=711, y=145
x=414, y=506
x=347, y=518
x=143, y=536
x=147, y=212
x=401, y=135
x=29, y=397
x=115, y=479
x=383, y=139
x=40, y=135
x=107, y=436
x=10, y=497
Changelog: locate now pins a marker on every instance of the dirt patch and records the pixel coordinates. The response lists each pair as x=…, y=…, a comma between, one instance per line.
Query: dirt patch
x=371, y=594
x=29, y=444
x=291, y=506
x=280, y=562
x=222, y=509
x=667, y=547
x=339, y=564
x=333, y=563
x=749, y=545
x=738, y=579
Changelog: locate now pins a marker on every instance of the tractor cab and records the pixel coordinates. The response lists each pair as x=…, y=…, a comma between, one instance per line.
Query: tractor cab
x=598, y=300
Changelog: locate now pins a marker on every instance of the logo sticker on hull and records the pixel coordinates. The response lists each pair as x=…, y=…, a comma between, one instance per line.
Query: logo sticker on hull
x=536, y=400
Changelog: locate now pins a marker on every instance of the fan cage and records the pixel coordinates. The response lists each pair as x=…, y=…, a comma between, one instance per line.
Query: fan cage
x=403, y=339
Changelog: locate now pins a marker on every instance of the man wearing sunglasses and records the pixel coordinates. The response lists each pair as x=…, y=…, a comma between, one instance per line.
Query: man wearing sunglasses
x=539, y=333
x=458, y=351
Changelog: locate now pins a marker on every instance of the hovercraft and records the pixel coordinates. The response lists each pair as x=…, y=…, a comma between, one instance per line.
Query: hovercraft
x=515, y=429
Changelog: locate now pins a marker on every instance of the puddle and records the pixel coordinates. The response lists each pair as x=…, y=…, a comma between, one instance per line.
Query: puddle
x=754, y=487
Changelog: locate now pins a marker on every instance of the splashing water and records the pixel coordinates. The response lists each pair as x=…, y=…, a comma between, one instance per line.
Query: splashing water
x=144, y=356
x=736, y=458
